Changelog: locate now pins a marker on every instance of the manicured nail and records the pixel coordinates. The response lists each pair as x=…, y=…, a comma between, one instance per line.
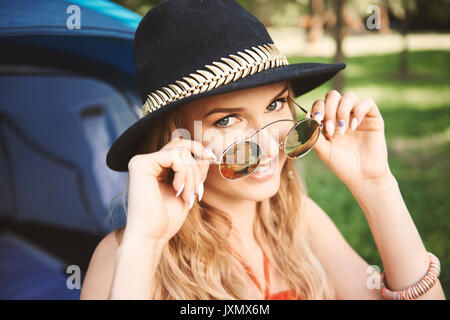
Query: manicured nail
x=180, y=190
x=354, y=124
x=330, y=127
x=200, y=191
x=192, y=200
x=341, y=124
x=318, y=116
x=210, y=153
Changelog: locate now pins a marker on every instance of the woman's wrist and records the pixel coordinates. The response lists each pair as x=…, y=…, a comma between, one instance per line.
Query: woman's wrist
x=136, y=236
x=372, y=185
x=378, y=197
x=144, y=244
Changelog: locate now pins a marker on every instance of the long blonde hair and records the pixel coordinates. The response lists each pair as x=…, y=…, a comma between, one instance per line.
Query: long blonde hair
x=196, y=262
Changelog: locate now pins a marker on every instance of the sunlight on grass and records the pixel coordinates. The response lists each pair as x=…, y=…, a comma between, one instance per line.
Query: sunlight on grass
x=414, y=97
x=422, y=143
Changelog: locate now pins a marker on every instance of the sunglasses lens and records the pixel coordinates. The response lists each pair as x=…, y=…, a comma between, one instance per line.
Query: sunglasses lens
x=240, y=160
x=302, y=138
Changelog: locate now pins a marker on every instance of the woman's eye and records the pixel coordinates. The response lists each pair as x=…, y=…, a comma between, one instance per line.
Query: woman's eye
x=274, y=106
x=224, y=122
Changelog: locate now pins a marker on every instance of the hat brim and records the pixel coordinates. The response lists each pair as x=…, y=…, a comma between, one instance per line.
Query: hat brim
x=304, y=77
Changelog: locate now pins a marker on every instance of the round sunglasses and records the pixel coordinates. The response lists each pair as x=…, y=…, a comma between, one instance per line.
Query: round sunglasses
x=295, y=138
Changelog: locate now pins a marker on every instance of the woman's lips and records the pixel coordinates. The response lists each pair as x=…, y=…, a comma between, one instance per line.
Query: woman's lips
x=264, y=172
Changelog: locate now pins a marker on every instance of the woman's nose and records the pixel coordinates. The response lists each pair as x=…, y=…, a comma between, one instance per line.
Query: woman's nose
x=270, y=144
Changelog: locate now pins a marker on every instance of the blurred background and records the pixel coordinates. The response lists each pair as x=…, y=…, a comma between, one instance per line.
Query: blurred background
x=58, y=198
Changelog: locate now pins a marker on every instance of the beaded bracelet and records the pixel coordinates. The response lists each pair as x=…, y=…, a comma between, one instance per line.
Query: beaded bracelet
x=420, y=288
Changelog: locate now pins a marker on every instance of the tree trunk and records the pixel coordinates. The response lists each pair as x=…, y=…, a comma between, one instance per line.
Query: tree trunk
x=384, y=17
x=315, y=31
x=338, y=81
x=404, y=65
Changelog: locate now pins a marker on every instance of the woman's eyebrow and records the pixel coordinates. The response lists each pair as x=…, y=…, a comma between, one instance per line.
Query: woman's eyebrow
x=226, y=110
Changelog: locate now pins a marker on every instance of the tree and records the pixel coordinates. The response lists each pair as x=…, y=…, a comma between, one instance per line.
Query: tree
x=404, y=65
x=315, y=30
x=339, y=32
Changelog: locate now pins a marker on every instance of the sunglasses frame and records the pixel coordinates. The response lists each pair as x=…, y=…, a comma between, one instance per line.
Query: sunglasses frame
x=281, y=145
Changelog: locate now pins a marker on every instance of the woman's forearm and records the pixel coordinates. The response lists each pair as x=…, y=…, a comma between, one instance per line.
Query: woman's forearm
x=402, y=252
x=136, y=264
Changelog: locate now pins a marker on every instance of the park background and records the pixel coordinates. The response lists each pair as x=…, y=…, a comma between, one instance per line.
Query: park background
x=404, y=66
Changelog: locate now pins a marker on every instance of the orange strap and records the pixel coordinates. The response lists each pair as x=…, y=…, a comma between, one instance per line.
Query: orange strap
x=252, y=276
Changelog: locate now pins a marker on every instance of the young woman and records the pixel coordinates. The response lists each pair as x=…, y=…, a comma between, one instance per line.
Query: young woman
x=197, y=231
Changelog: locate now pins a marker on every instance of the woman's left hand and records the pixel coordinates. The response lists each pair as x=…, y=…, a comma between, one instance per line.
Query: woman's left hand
x=359, y=157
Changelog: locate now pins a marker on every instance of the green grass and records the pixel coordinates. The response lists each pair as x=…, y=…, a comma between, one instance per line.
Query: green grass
x=416, y=112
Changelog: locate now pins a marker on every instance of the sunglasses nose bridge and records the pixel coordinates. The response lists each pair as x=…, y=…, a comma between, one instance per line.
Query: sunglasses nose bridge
x=270, y=144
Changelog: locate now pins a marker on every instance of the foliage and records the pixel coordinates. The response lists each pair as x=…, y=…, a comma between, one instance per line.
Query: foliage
x=425, y=14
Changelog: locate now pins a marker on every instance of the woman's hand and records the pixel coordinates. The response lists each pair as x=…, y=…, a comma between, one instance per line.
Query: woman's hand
x=358, y=157
x=157, y=209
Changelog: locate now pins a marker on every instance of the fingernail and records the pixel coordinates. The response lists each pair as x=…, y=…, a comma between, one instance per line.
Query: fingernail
x=354, y=124
x=200, y=191
x=330, y=127
x=318, y=116
x=192, y=200
x=180, y=190
x=210, y=153
x=341, y=124
x=308, y=115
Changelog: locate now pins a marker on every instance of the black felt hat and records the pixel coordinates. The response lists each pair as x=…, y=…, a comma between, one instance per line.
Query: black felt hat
x=189, y=49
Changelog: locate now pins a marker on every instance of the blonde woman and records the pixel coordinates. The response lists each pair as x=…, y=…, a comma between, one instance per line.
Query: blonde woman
x=201, y=227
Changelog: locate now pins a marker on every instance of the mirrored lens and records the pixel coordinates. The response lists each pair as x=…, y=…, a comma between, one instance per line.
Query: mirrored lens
x=240, y=159
x=302, y=138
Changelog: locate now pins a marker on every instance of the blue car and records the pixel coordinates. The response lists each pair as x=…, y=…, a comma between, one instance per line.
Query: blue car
x=67, y=91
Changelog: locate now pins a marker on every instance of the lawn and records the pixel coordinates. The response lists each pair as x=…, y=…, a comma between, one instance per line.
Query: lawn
x=416, y=112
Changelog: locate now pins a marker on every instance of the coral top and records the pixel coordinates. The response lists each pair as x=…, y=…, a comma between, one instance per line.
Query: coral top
x=283, y=295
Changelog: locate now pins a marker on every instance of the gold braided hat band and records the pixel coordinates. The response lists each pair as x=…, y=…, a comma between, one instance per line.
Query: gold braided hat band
x=232, y=68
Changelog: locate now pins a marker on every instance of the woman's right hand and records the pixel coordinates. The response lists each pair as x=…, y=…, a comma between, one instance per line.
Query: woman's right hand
x=157, y=209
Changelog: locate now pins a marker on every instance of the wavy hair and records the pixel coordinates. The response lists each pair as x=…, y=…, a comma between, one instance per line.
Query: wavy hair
x=194, y=264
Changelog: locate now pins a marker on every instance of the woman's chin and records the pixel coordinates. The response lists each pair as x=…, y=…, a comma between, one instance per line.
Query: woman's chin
x=261, y=185
x=263, y=192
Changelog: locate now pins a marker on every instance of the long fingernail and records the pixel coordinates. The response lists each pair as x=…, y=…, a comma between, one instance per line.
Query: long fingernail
x=180, y=190
x=341, y=124
x=354, y=124
x=200, y=191
x=210, y=153
x=330, y=127
x=318, y=116
x=192, y=200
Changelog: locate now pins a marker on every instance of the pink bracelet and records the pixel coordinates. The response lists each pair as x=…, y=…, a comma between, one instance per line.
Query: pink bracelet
x=420, y=288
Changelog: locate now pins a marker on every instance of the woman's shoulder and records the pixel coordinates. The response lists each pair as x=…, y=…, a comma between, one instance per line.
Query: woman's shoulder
x=111, y=241
x=317, y=221
x=98, y=279
x=310, y=211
